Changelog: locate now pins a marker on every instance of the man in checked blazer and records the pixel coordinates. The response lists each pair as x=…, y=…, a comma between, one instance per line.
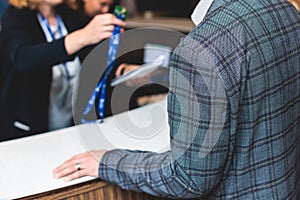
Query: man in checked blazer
x=234, y=111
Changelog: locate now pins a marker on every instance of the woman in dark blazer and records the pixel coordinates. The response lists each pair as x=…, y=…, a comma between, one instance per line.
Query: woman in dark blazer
x=29, y=59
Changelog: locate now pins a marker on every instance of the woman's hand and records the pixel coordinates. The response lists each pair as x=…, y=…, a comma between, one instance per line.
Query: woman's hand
x=98, y=29
x=101, y=27
x=85, y=164
x=125, y=68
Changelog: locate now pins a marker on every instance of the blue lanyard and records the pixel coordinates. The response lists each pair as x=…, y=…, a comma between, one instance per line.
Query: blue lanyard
x=101, y=87
x=58, y=21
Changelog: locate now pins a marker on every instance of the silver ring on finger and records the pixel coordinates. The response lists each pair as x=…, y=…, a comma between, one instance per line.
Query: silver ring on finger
x=78, y=167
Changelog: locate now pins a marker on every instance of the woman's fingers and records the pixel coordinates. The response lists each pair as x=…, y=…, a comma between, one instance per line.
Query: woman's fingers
x=124, y=68
x=120, y=69
x=101, y=27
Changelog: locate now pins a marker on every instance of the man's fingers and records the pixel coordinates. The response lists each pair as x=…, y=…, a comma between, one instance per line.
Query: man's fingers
x=70, y=166
x=75, y=175
x=85, y=164
x=67, y=169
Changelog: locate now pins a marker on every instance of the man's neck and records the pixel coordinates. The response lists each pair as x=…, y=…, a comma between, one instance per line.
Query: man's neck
x=295, y=3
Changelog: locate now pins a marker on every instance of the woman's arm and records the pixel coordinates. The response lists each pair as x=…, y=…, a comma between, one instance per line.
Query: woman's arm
x=23, y=41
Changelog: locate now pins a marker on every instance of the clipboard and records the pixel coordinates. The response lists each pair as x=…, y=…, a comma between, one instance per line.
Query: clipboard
x=139, y=72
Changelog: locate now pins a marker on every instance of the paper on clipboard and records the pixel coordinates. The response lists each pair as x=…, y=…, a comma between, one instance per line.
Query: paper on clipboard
x=141, y=71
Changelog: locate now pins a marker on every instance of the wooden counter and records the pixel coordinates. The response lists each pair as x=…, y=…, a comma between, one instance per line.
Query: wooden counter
x=92, y=190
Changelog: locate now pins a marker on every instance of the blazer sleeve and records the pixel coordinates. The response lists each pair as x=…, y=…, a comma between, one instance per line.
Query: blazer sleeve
x=25, y=44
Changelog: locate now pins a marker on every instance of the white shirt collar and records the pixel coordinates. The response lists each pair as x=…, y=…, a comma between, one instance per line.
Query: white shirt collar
x=200, y=11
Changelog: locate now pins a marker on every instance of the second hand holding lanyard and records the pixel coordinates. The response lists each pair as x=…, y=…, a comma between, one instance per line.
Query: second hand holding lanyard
x=120, y=13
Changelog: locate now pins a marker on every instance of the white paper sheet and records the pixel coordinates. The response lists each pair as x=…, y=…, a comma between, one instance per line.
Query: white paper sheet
x=139, y=72
x=26, y=164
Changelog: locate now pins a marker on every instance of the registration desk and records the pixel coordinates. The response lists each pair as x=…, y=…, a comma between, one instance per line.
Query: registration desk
x=26, y=164
x=184, y=25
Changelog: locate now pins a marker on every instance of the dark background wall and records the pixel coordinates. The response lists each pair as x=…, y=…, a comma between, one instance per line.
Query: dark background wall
x=176, y=8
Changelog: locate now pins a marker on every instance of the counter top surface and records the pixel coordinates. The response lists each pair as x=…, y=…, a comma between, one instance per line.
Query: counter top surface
x=27, y=163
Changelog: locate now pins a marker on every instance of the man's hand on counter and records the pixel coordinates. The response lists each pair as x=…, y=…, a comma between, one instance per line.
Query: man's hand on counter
x=84, y=164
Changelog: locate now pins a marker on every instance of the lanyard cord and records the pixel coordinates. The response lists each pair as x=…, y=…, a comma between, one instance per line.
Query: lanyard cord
x=101, y=87
x=58, y=21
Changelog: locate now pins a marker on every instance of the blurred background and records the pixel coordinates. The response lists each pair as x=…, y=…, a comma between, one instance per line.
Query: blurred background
x=174, y=8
